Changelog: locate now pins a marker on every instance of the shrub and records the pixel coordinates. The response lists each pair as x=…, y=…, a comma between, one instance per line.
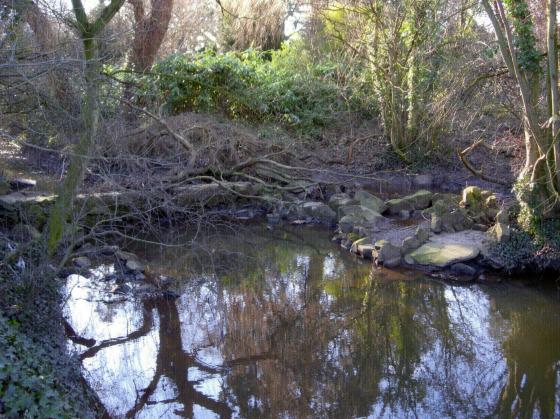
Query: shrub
x=29, y=385
x=534, y=244
x=517, y=253
x=283, y=86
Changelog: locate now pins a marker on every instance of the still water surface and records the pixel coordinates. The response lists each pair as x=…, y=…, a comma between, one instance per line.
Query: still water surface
x=285, y=324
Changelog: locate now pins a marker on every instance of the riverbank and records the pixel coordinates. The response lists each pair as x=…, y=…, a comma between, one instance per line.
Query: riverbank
x=39, y=377
x=388, y=221
x=409, y=224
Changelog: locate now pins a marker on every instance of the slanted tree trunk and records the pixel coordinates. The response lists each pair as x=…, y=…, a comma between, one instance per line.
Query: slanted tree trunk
x=62, y=209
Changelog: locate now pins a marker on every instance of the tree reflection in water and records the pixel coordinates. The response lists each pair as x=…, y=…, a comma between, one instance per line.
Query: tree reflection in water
x=302, y=330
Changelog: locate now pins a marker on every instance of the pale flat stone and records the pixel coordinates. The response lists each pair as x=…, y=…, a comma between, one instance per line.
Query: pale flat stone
x=442, y=255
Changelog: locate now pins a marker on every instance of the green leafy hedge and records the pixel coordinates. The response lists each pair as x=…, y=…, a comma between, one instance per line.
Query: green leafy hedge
x=283, y=86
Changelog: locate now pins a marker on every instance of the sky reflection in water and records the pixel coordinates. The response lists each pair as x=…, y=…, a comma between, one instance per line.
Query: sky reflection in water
x=286, y=325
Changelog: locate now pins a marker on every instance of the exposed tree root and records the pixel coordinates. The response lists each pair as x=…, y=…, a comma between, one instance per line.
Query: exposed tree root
x=462, y=154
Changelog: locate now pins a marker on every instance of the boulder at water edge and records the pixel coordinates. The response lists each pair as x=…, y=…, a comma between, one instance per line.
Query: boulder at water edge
x=442, y=255
x=370, y=201
x=417, y=201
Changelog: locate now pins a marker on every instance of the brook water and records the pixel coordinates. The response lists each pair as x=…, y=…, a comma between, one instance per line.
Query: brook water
x=286, y=324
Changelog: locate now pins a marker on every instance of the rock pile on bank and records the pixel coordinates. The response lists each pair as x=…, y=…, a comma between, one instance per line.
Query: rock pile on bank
x=425, y=229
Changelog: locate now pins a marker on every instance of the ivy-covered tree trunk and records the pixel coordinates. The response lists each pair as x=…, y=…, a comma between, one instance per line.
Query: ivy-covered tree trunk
x=538, y=188
x=552, y=43
x=60, y=217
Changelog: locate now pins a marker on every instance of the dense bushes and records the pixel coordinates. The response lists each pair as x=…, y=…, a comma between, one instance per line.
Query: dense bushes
x=283, y=86
x=29, y=385
x=534, y=244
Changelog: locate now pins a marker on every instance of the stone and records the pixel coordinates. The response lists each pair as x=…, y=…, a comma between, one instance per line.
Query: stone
x=409, y=260
x=404, y=214
x=448, y=199
x=346, y=224
x=82, y=262
x=332, y=189
x=360, y=231
x=139, y=276
x=423, y=181
x=359, y=216
x=319, y=211
x=463, y=269
x=417, y=201
x=370, y=201
x=122, y=255
x=25, y=232
x=472, y=197
x=354, y=247
x=358, y=210
x=410, y=243
x=443, y=254
x=387, y=254
x=109, y=250
x=366, y=250
x=502, y=232
x=448, y=218
x=132, y=261
x=422, y=235
x=340, y=199
x=502, y=216
x=135, y=265
x=393, y=263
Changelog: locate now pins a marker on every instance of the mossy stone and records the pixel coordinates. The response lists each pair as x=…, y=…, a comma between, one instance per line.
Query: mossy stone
x=472, y=197
x=370, y=201
x=417, y=201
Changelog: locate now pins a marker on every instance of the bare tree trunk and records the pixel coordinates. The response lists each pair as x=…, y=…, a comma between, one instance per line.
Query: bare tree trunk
x=149, y=31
